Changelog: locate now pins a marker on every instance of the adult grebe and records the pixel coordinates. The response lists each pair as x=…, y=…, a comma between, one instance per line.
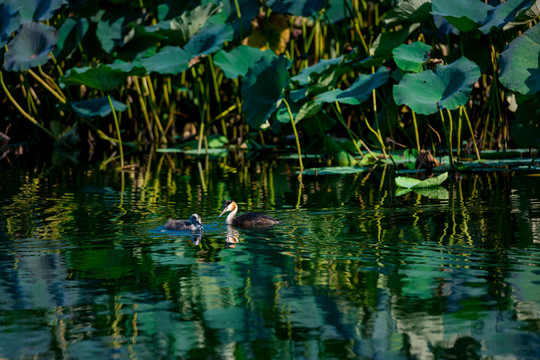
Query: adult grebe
x=248, y=220
x=194, y=223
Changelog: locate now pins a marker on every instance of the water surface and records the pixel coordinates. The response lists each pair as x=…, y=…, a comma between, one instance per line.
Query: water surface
x=87, y=270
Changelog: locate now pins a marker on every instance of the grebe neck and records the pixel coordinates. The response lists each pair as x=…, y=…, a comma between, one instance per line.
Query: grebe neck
x=231, y=216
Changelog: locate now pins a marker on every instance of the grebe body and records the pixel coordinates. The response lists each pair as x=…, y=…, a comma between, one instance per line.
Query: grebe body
x=247, y=220
x=194, y=223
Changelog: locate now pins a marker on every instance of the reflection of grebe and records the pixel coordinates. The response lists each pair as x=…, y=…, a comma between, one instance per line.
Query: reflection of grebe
x=232, y=238
x=194, y=223
x=248, y=220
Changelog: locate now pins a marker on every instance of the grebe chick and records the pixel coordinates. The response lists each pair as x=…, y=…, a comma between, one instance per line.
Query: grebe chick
x=248, y=220
x=194, y=223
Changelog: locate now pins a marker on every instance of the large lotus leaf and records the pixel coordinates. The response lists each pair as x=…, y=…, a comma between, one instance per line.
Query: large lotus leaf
x=179, y=30
x=519, y=63
x=38, y=9
x=102, y=77
x=409, y=11
x=110, y=33
x=411, y=57
x=170, y=60
x=525, y=15
x=262, y=89
x=209, y=40
x=10, y=20
x=296, y=7
x=303, y=77
x=504, y=13
x=70, y=36
x=359, y=91
x=466, y=15
x=412, y=183
x=446, y=88
x=97, y=107
x=30, y=47
x=238, y=61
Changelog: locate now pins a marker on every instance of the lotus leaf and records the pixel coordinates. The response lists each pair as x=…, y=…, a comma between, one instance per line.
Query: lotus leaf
x=102, y=77
x=275, y=33
x=446, y=88
x=10, y=20
x=70, y=35
x=435, y=192
x=334, y=170
x=519, y=63
x=170, y=60
x=386, y=42
x=30, y=47
x=262, y=89
x=296, y=7
x=466, y=15
x=411, y=57
x=359, y=91
x=38, y=9
x=504, y=13
x=525, y=15
x=238, y=61
x=410, y=11
x=110, y=33
x=304, y=76
x=208, y=41
x=412, y=183
x=97, y=107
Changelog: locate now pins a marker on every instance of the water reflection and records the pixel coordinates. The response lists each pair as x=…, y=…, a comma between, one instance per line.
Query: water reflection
x=353, y=272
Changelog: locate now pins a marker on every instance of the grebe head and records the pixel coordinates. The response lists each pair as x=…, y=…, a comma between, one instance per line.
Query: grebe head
x=196, y=220
x=228, y=205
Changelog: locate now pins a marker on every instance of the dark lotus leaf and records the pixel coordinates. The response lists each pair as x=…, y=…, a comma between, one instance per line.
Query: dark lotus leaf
x=103, y=77
x=359, y=91
x=70, y=36
x=296, y=7
x=303, y=77
x=444, y=26
x=97, y=107
x=30, y=47
x=446, y=88
x=504, y=13
x=238, y=61
x=38, y=9
x=209, y=40
x=10, y=20
x=411, y=57
x=409, y=11
x=465, y=15
x=519, y=63
x=525, y=15
x=249, y=9
x=170, y=60
x=262, y=89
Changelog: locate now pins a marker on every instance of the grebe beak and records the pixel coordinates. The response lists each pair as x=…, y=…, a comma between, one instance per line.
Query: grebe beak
x=224, y=211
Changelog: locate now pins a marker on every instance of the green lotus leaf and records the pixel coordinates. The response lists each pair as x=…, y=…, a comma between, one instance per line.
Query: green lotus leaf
x=504, y=13
x=110, y=33
x=411, y=57
x=70, y=36
x=435, y=192
x=409, y=11
x=97, y=107
x=519, y=63
x=334, y=170
x=170, y=60
x=180, y=29
x=412, y=183
x=296, y=7
x=38, y=9
x=238, y=61
x=30, y=47
x=103, y=77
x=10, y=20
x=209, y=40
x=303, y=78
x=465, y=15
x=359, y=91
x=446, y=88
x=525, y=15
x=386, y=42
x=262, y=89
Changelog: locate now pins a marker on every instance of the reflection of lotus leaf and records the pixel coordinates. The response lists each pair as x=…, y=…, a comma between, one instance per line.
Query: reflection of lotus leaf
x=30, y=47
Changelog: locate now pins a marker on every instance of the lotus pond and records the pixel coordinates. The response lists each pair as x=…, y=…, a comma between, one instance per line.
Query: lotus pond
x=355, y=271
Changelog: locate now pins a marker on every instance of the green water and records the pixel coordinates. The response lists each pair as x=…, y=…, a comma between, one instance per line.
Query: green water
x=354, y=272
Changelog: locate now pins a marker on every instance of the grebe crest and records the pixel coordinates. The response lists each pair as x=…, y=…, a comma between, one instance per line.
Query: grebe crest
x=248, y=220
x=194, y=223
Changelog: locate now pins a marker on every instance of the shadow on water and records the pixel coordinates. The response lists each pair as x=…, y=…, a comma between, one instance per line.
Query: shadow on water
x=354, y=271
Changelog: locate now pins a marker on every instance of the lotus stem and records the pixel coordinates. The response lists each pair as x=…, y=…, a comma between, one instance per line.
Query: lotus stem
x=472, y=134
x=416, y=136
x=46, y=86
x=296, y=137
x=117, y=125
x=337, y=109
x=143, y=107
x=448, y=140
x=216, y=90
